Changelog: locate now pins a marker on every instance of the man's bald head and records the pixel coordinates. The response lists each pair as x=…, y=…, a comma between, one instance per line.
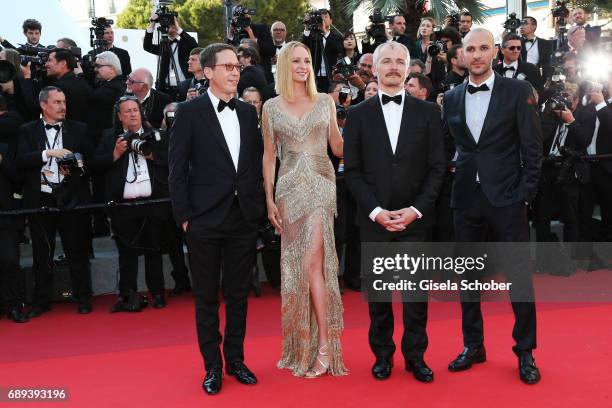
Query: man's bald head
x=480, y=34
x=479, y=52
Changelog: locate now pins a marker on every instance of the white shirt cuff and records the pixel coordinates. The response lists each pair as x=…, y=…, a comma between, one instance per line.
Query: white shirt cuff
x=44, y=156
x=374, y=213
x=149, y=30
x=419, y=215
x=306, y=33
x=600, y=106
x=179, y=31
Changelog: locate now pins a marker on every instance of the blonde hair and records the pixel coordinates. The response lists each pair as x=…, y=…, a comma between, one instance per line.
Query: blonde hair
x=433, y=25
x=284, y=77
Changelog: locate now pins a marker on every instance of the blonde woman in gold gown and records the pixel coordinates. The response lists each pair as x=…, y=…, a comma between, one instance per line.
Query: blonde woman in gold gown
x=298, y=125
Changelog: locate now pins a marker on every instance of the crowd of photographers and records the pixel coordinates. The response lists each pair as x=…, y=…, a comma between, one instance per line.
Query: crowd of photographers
x=86, y=134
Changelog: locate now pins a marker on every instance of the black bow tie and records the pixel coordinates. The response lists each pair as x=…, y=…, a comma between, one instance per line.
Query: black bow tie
x=508, y=68
x=56, y=127
x=278, y=47
x=473, y=89
x=174, y=41
x=397, y=99
x=530, y=40
x=222, y=104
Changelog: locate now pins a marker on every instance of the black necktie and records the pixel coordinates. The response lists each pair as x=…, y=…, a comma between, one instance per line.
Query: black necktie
x=508, y=68
x=397, y=99
x=222, y=104
x=473, y=89
x=56, y=127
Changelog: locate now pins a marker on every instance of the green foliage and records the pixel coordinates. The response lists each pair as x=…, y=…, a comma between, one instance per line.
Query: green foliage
x=135, y=15
x=341, y=19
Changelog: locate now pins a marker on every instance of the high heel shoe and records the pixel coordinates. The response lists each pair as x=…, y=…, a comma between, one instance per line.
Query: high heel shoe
x=312, y=373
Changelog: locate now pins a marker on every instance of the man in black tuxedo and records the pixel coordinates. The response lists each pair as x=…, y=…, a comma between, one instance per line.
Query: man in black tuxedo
x=173, y=54
x=536, y=50
x=140, y=83
x=187, y=89
x=512, y=67
x=109, y=45
x=325, y=46
x=216, y=187
x=498, y=139
x=31, y=30
x=47, y=184
x=592, y=33
x=394, y=166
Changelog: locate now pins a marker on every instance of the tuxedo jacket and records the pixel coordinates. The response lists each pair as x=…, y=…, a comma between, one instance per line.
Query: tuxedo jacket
x=29, y=159
x=529, y=71
x=333, y=49
x=377, y=177
x=545, y=49
x=203, y=180
x=77, y=93
x=604, y=139
x=508, y=154
x=154, y=106
x=101, y=105
x=186, y=43
x=9, y=184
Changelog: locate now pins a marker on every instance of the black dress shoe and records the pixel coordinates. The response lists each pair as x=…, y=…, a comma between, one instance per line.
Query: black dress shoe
x=159, y=301
x=15, y=314
x=529, y=373
x=84, y=308
x=180, y=288
x=353, y=285
x=468, y=357
x=36, y=311
x=242, y=373
x=131, y=302
x=381, y=370
x=212, y=381
x=420, y=370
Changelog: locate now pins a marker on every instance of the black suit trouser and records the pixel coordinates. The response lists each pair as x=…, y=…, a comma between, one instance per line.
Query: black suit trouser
x=346, y=234
x=483, y=222
x=11, y=278
x=557, y=198
x=443, y=230
x=73, y=231
x=137, y=231
x=414, y=314
x=231, y=247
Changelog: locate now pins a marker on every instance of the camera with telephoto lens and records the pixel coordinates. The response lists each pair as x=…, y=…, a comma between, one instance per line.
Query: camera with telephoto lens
x=241, y=17
x=453, y=21
x=345, y=67
x=141, y=143
x=96, y=32
x=344, y=93
x=201, y=86
x=71, y=161
x=314, y=20
x=512, y=24
x=560, y=10
x=377, y=29
x=165, y=17
x=436, y=47
x=340, y=112
x=37, y=58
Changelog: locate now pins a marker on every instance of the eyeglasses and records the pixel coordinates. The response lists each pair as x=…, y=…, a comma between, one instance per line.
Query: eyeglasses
x=279, y=29
x=132, y=82
x=128, y=97
x=101, y=65
x=230, y=67
x=515, y=48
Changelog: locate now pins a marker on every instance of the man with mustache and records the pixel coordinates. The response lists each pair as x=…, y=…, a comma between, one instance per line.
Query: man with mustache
x=394, y=166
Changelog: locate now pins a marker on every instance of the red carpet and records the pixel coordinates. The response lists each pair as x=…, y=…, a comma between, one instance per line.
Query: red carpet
x=150, y=359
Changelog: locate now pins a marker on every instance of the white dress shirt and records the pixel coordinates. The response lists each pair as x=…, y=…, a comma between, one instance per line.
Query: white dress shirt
x=533, y=55
x=476, y=106
x=172, y=79
x=559, y=140
x=592, y=149
x=137, y=180
x=393, y=120
x=228, y=119
x=50, y=167
x=323, y=70
x=510, y=73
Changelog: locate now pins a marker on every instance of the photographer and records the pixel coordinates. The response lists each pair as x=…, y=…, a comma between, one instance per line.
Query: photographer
x=419, y=86
x=436, y=63
x=53, y=177
x=109, y=45
x=140, y=83
x=376, y=31
x=455, y=65
x=17, y=90
x=136, y=169
x=592, y=34
x=397, y=26
x=513, y=67
x=425, y=36
x=242, y=28
x=279, y=36
x=536, y=50
x=173, y=53
x=357, y=79
x=194, y=86
x=324, y=45
x=341, y=94
x=566, y=130
x=465, y=23
x=32, y=30
x=252, y=74
x=349, y=43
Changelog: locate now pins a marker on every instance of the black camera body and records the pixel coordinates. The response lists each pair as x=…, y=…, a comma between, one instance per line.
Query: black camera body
x=241, y=17
x=512, y=24
x=165, y=18
x=37, y=57
x=377, y=29
x=560, y=10
x=72, y=161
x=344, y=93
x=96, y=32
x=314, y=20
x=436, y=47
x=340, y=112
x=345, y=67
x=453, y=21
x=141, y=143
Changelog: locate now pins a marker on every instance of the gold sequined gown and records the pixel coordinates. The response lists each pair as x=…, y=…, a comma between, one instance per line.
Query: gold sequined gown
x=306, y=200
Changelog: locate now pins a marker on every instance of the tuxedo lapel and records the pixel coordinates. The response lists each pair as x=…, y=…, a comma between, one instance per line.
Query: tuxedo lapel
x=211, y=120
x=405, y=125
x=41, y=135
x=379, y=119
x=461, y=104
x=242, y=113
x=493, y=105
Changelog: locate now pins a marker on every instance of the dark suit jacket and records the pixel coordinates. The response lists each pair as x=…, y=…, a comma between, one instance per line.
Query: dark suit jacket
x=604, y=141
x=378, y=178
x=154, y=106
x=77, y=96
x=29, y=159
x=253, y=75
x=545, y=48
x=266, y=48
x=203, y=180
x=124, y=59
x=101, y=103
x=10, y=122
x=530, y=72
x=9, y=184
x=115, y=172
x=508, y=155
x=185, y=45
x=333, y=49
x=183, y=87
